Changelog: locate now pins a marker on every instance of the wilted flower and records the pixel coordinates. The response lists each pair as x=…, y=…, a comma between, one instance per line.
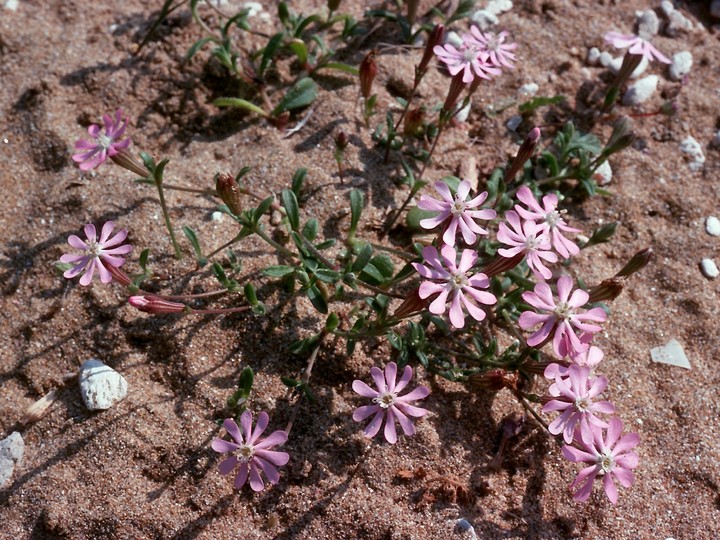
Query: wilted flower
x=609, y=456
x=499, y=53
x=156, y=305
x=251, y=452
x=561, y=317
x=457, y=212
x=92, y=154
x=529, y=239
x=454, y=284
x=635, y=45
x=549, y=219
x=387, y=404
x=96, y=253
x=573, y=395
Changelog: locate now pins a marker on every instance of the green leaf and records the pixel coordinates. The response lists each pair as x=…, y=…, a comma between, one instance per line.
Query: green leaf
x=356, y=208
x=602, y=234
x=195, y=243
x=246, y=381
x=328, y=276
x=278, y=271
x=363, y=258
x=540, y=101
x=371, y=274
x=326, y=244
x=290, y=203
x=269, y=51
x=332, y=322
x=240, y=104
x=262, y=208
x=352, y=70
x=302, y=94
x=298, y=180
x=249, y=291
x=299, y=49
x=144, y=259
x=310, y=230
x=317, y=299
x=415, y=215
x=199, y=44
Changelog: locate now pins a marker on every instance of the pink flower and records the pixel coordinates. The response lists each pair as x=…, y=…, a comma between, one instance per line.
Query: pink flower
x=499, y=53
x=469, y=58
x=456, y=212
x=589, y=358
x=252, y=453
x=387, y=404
x=453, y=284
x=561, y=317
x=574, y=396
x=529, y=239
x=97, y=254
x=92, y=154
x=609, y=457
x=635, y=45
x=549, y=219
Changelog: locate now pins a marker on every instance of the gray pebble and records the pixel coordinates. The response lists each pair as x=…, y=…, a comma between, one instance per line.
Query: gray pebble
x=681, y=64
x=709, y=268
x=100, y=385
x=641, y=91
x=648, y=24
x=593, y=56
x=484, y=19
x=712, y=226
x=692, y=149
x=12, y=449
x=678, y=23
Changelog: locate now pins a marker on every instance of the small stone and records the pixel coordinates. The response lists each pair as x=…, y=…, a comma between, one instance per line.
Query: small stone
x=593, y=56
x=528, y=90
x=484, y=19
x=716, y=139
x=671, y=354
x=496, y=7
x=666, y=6
x=681, y=64
x=678, y=23
x=715, y=9
x=641, y=91
x=513, y=122
x=217, y=216
x=603, y=174
x=648, y=24
x=709, y=268
x=712, y=226
x=692, y=149
x=100, y=385
x=454, y=39
x=605, y=59
x=463, y=113
x=12, y=449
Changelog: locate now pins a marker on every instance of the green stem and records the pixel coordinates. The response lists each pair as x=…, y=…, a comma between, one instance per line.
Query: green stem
x=210, y=192
x=166, y=215
x=273, y=243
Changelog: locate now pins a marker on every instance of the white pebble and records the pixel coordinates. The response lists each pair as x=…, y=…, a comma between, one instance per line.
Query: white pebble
x=672, y=354
x=666, y=6
x=641, y=91
x=484, y=19
x=454, y=39
x=678, y=23
x=603, y=174
x=463, y=113
x=217, y=216
x=593, y=56
x=12, y=5
x=648, y=24
x=709, y=268
x=712, y=226
x=100, y=385
x=513, y=122
x=616, y=64
x=693, y=150
x=681, y=64
x=605, y=59
x=12, y=449
x=528, y=90
x=254, y=8
x=496, y=7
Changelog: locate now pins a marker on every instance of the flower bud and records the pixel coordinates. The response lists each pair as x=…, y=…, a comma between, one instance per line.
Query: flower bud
x=609, y=289
x=637, y=263
x=494, y=379
x=156, y=305
x=229, y=191
x=621, y=136
x=127, y=161
x=412, y=305
x=368, y=72
x=332, y=5
x=434, y=39
x=526, y=151
x=341, y=141
x=414, y=122
x=502, y=264
x=456, y=87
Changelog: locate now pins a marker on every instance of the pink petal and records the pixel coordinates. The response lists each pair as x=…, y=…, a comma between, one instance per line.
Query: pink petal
x=242, y=475
x=361, y=413
x=276, y=458
x=256, y=482
x=391, y=376
x=390, y=431
x=379, y=378
x=271, y=473
x=374, y=426
x=223, y=446
x=227, y=466
x=232, y=428
x=404, y=380
x=276, y=438
x=364, y=390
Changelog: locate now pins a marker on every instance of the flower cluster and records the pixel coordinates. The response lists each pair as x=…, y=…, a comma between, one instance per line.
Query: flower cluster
x=479, y=56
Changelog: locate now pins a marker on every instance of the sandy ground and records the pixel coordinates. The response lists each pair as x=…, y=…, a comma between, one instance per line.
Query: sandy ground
x=144, y=469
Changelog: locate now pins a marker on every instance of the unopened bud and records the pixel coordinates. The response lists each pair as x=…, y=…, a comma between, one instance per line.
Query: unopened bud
x=609, y=289
x=629, y=65
x=333, y=5
x=494, y=379
x=229, y=191
x=621, y=136
x=412, y=305
x=414, y=122
x=434, y=39
x=637, y=263
x=524, y=153
x=456, y=87
x=154, y=304
x=502, y=264
x=368, y=72
x=127, y=161
x=341, y=141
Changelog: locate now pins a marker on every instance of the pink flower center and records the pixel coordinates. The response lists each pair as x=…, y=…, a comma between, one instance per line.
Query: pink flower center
x=457, y=207
x=531, y=243
x=94, y=248
x=493, y=44
x=606, y=462
x=385, y=399
x=104, y=141
x=459, y=281
x=553, y=218
x=245, y=452
x=583, y=404
x=470, y=53
x=563, y=311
